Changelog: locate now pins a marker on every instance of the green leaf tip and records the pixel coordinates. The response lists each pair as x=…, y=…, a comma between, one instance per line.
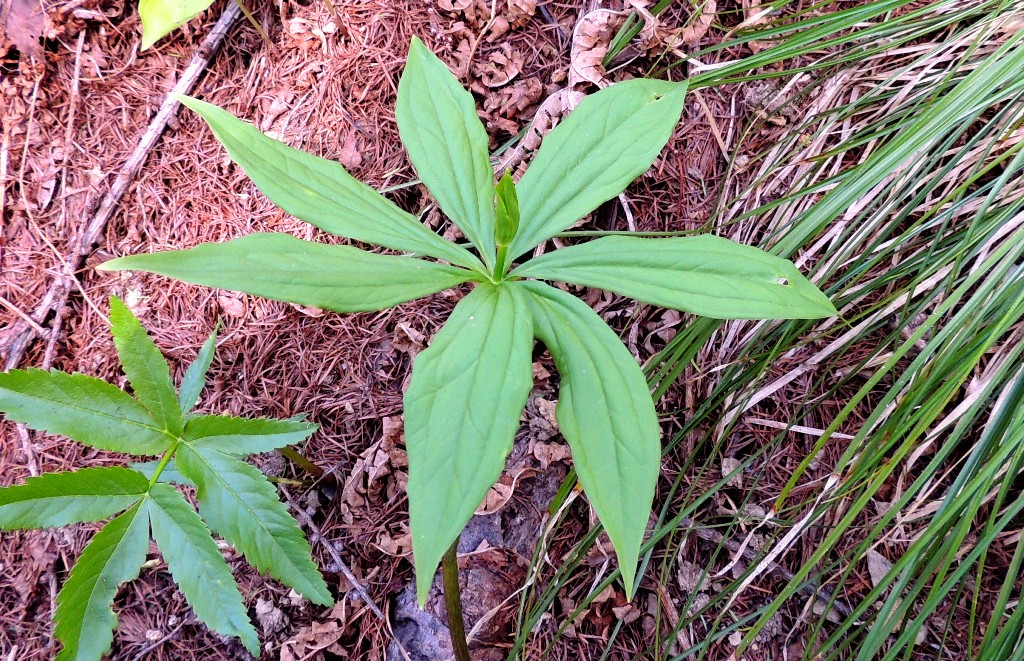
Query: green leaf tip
x=507, y=210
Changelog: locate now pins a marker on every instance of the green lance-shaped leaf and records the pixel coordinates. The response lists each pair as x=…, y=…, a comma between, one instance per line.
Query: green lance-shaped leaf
x=195, y=376
x=57, y=499
x=241, y=436
x=609, y=140
x=241, y=506
x=281, y=267
x=461, y=414
x=82, y=408
x=145, y=367
x=705, y=275
x=84, y=622
x=506, y=210
x=606, y=414
x=161, y=17
x=322, y=193
x=197, y=566
x=447, y=145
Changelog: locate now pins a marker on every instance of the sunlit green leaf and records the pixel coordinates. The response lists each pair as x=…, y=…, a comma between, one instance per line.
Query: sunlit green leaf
x=82, y=408
x=197, y=566
x=84, y=622
x=706, y=275
x=145, y=367
x=447, y=145
x=281, y=267
x=161, y=17
x=242, y=436
x=321, y=192
x=168, y=475
x=609, y=140
x=461, y=414
x=57, y=499
x=241, y=506
x=606, y=414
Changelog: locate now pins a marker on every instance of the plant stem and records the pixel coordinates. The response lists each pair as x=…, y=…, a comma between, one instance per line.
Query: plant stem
x=163, y=462
x=453, y=601
x=305, y=464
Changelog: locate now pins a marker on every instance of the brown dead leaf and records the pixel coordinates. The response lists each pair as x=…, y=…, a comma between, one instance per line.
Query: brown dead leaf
x=271, y=618
x=407, y=339
x=350, y=156
x=590, y=39
x=231, y=305
x=656, y=36
x=24, y=25
x=499, y=67
x=548, y=453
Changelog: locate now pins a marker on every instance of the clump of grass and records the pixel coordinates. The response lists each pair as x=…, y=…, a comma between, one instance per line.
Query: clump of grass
x=899, y=193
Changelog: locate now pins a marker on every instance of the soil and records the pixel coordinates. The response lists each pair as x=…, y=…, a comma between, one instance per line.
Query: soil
x=78, y=95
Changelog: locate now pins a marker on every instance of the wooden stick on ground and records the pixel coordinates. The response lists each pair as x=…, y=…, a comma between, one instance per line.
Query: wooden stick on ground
x=57, y=295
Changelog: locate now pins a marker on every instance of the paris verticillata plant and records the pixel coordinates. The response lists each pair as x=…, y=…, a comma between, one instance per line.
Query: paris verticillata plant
x=236, y=501
x=469, y=387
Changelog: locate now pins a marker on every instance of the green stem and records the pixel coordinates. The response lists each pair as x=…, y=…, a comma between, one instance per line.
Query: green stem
x=500, y=267
x=305, y=464
x=163, y=462
x=453, y=601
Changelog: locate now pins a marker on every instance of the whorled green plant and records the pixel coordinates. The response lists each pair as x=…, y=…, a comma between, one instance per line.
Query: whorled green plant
x=204, y=451
x=468, y=389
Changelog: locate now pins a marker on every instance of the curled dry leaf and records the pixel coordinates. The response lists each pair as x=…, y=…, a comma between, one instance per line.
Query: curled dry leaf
x=504, y=106
x=499, y=67
x=590, y=39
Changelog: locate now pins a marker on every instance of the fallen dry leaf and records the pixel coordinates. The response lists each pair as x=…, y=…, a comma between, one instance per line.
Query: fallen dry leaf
x=590, y=39
x=25, y=24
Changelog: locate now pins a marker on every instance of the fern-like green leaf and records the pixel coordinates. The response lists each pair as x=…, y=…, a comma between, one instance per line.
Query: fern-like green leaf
x=195, y=376
x=145, y=367
x=197, y=566
x=57, y=499
x=84, y=622
x=82, y=408
x=241, y=506
x=241, y=436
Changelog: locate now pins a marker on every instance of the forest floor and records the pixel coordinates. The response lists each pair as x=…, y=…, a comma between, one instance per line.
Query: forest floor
x=72, y=114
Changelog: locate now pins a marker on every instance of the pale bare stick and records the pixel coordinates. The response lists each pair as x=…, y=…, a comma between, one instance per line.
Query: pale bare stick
x=56, y=296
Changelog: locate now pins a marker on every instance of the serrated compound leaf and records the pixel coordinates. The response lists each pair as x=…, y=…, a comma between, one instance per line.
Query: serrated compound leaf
x=609, y=140
x=197, y=566
x=281, y=267
x=447, y=145
x=145, y=367
x=84, y=621
x=705, y=275
x=321, y=192
x=461, y=414
x=168, y=475
x=240, y=505
x=57, y=499
x=606, y=414
x=241, y=436
x=161, y=17
x=82, y=408
x=195, y=376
